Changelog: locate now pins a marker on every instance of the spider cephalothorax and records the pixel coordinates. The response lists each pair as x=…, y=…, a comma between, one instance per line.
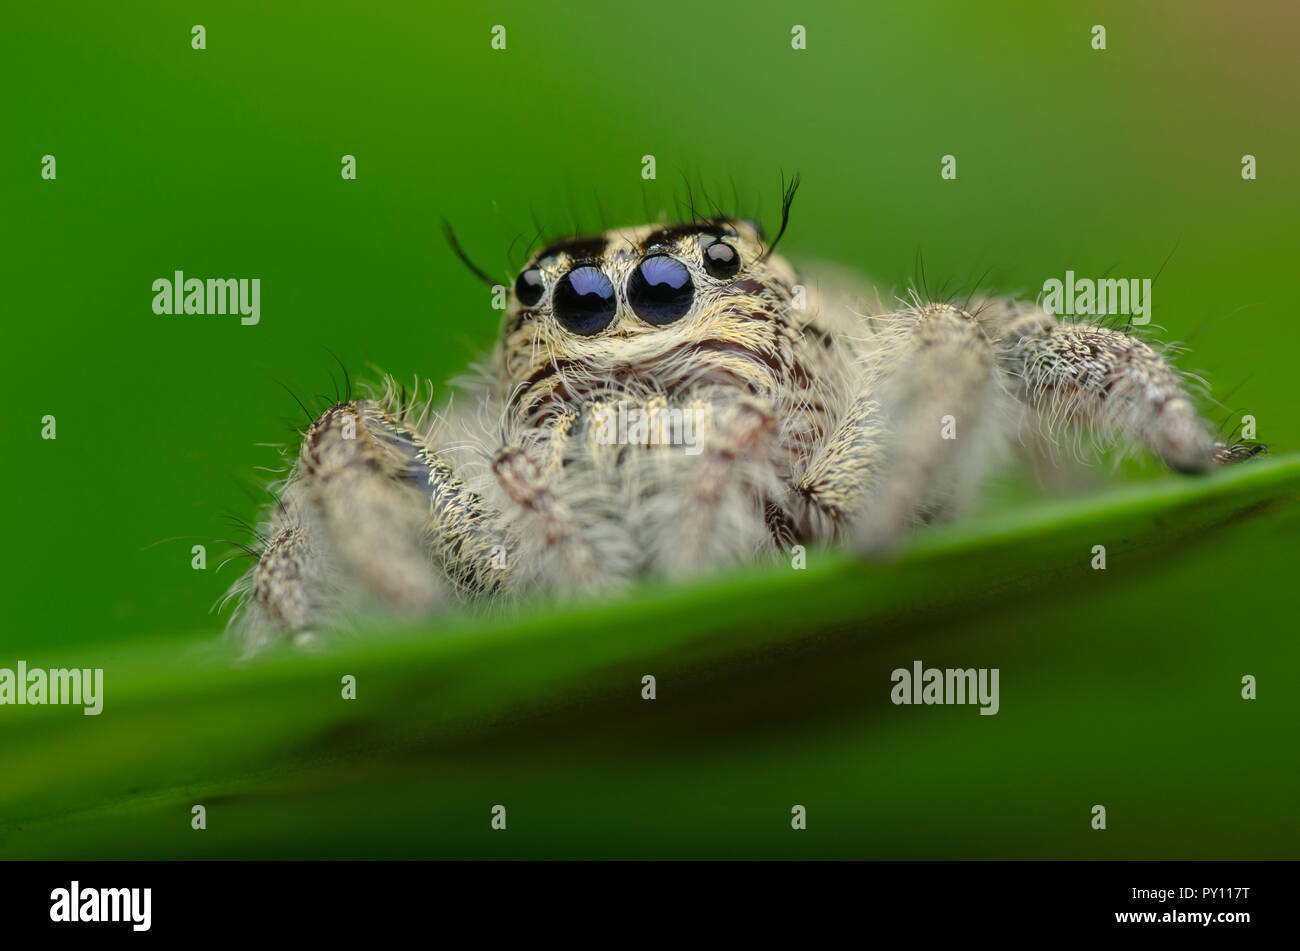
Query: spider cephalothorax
x=694, y=318
x=661, y=304
x=667, y=400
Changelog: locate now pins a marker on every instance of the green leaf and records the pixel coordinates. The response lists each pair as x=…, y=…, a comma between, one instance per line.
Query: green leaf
x=1119, y=687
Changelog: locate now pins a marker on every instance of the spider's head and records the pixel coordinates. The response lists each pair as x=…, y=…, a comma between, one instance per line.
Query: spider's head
x=637, y=302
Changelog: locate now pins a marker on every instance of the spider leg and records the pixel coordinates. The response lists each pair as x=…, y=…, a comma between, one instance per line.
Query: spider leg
x=707, y=507
x=1109, y=382
x=839, y=478
x=571, y=539
x=369, y=514
x=637, y=486
x=939, y=398
x=290, y=588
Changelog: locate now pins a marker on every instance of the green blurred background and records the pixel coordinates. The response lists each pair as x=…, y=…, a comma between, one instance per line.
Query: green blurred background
x=225, y=163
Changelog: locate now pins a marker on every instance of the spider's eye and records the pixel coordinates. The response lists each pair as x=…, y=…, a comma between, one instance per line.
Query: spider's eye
x=529, y=287
x=721, y=260
x=660, y=290
x=584, y=301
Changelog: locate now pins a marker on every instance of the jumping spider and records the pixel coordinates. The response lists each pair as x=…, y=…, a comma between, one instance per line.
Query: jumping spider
x=809, y=421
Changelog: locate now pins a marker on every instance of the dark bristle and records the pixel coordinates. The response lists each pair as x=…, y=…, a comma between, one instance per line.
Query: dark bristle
x=787, y=199
x=460, y=253
x=347, y=378
x=583, y=247
x=311, y=418
x=673, y=232
x=1168, y=258
x=698, y=211
x=975, y=289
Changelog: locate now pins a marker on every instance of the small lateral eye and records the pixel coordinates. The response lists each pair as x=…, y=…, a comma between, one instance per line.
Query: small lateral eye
x=529, y=287
x=721, y=260
x=660, y=290
x=584, y=301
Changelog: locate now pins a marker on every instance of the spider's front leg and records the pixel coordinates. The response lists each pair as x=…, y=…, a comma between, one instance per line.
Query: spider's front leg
x=643, y=484
x=1109, y=382
x=919, y=430
x=567, y=520
x=710, y=510
x=933, y=374
x=833, y=490
x=369, y=515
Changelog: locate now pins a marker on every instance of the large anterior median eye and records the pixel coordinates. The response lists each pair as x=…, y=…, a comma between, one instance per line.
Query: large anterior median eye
x=529, y=287
x=660, y=290
x=584, y=301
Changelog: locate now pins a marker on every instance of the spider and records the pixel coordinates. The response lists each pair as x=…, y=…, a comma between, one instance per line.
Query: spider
x=765, y=413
